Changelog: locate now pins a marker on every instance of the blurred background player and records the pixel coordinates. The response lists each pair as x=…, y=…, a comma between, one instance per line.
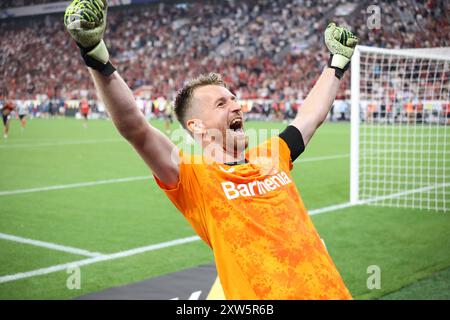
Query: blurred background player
x=84, y=110
x=168, y=115
x=21, y=113
x=6, y=115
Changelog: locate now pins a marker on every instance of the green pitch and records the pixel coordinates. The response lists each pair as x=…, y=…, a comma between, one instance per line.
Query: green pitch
x=91, y=210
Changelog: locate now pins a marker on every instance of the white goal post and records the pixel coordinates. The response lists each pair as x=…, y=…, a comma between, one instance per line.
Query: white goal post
x=400, y=128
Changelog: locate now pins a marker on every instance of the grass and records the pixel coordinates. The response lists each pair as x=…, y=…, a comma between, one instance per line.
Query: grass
x=408, y=245
x=435, y=287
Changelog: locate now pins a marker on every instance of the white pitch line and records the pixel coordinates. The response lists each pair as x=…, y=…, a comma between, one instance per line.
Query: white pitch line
x=404, y=193
x=128, y=179
x=62, y=143
x=106, y=257
x=381, y=198
x=172, y=243
x=74, y=185
x=313, y=159
x=49, y=245
x=330, y=208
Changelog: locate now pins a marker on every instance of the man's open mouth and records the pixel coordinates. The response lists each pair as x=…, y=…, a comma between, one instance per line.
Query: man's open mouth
x=237, y=125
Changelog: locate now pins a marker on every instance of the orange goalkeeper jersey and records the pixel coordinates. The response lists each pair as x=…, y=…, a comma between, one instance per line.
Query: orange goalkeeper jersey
x=251, y=215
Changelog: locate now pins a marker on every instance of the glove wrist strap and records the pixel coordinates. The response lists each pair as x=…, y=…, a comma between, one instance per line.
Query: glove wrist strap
x=340, y=64
x=97, y=57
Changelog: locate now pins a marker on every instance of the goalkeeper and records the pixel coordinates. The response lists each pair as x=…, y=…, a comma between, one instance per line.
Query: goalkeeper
x=242, y=203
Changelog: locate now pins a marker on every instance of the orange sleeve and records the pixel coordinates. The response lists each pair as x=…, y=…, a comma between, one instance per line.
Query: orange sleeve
x=187, y=195
x=285, y=154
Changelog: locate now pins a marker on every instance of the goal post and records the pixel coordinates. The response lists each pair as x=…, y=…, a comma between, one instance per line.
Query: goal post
x=400, y=128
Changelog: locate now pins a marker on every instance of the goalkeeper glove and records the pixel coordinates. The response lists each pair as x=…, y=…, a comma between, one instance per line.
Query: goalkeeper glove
x=86, y=22
x=341, y=43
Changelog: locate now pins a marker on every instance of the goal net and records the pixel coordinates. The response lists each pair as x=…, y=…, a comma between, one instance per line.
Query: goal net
x=400, y=128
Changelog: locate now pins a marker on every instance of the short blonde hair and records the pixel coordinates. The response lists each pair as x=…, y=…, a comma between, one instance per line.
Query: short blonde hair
x=183, y=99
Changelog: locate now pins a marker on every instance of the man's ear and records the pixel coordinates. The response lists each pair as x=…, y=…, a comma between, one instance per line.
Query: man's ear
x=195, y=126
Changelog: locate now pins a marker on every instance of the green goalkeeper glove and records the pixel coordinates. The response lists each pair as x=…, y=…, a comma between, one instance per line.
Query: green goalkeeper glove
x=341, y=43
x=86, y=22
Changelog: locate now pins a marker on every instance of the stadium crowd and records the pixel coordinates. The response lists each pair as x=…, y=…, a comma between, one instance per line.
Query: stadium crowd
x=265, y=49
x=5, y=4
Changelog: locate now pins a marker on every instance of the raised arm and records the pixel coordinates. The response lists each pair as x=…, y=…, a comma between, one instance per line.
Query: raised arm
x=86, y=22
x=316, y=105
x=154, y=147
x=314, y=110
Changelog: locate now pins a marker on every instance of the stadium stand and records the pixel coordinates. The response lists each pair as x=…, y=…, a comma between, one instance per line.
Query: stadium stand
x=265, y=49
x=5, y=4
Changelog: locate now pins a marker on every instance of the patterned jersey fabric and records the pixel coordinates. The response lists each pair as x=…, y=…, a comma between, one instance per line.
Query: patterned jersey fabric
x=253, y=218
